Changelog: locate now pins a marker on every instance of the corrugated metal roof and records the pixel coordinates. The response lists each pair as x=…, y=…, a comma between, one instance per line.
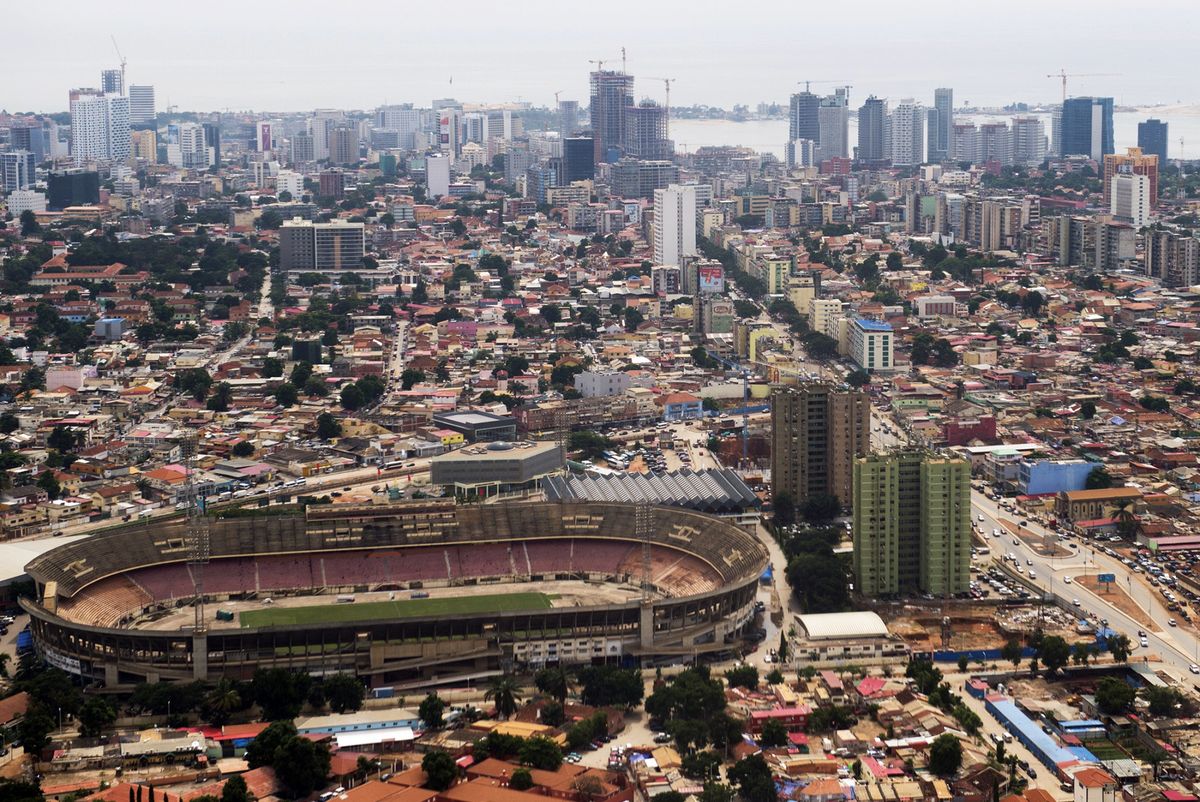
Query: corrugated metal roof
x=719, y=490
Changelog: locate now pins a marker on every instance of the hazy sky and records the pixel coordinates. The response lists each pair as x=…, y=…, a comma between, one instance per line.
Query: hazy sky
x=303, y=54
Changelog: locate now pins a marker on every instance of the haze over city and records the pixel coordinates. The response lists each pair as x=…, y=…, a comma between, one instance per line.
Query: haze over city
x=276, y=55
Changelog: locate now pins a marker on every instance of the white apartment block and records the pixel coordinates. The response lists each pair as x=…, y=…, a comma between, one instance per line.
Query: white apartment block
x=674, y=223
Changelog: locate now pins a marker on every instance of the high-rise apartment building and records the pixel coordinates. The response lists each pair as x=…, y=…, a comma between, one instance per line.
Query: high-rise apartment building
x=143, y=145
x=1087, y=127
x=996, y=144
x=142, y=110
x=212, y=135
x=1129, y=195
x=187, y=147
x=907, y=134
x=674, y=224
x=437, y=175
x=833, y=126
x=1135, y=162
x=112, y=82
x=942, y=124
x=872, y=116
x=964, y=143
x=343, y=145
x=99, y=126
x=332, y=184
x=1029, y=141
x=817, y=432
x=1152, y=139
x=646, y=132
x=610, y=96
x=302, y=148
x=320, y=247
x=1173, y=257
x=16, y=170
x=578, y=159
x=912, y=524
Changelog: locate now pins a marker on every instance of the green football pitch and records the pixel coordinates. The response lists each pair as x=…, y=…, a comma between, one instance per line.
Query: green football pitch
x=332, y=613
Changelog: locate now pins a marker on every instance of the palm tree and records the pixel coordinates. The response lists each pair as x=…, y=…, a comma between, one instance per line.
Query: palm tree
x=556, y=682
x=222, y=700
x=505, y=693
x=4, y=659
x=1127, y=520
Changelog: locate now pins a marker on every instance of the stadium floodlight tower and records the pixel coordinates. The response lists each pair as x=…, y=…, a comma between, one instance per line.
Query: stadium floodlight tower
x=643, y=521
x=197, y=535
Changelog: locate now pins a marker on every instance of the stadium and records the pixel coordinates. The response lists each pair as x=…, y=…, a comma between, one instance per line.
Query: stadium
x=402, y=595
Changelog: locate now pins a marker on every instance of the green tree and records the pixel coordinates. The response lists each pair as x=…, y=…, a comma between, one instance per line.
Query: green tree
x=242, y=448
x=410, y=377
x=1053, y=652
x=1119, y=647
x=1114, y=695
x=235, y=790
x=504, y=692
x=753, y=778
x=221, y=398
x=945, y=755
x=1162, y=701
x=858, y=378
x=328, y=426
x=590, y=444
x=29, y=223
x=279, y=693
x=345, y=692
x=46, y=481
x=611, y=686
x=716, y=792
x=774, y=734
x=541, y=753
x=95, y=715
x=521, y=779
x=261, y=751
x=554, y=681
x=820, y=508
x=9, y=423
x=1011, y=651
x=1087, y=410
x=440, y=770
x=784, y=509
x=743, y=676
x=302, y=765
x=351, y=397
x=1098, y=479
x=222, y=701
x=272, y=367
x=431, y=709
x=286, y=395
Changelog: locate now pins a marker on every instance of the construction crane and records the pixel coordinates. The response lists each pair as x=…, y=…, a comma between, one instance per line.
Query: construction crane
x=599, y=62
x=124, y=88
x=839, y=81
x=1064, y=75
x=667, y=82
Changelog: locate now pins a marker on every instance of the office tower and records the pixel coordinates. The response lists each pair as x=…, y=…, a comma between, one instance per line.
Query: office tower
x=16, y=170
x=449, y=131
x=578, y=159
x=908, y=134
x=611, y=93
x=112, y=82
x=320, y=125
x=1087, y=127
x=1130, y=198
x=646, y=132
x=943, y=124
x=1172, y=257
x=803, y=120
x=871, y=116
x=996, y=144
x=633, y=178
x=187, y=147
x=320, y=247
x=332, y=184
x=264, y=136
x=31, y=138
x=1152, y=139
x=302, y=148
x=1029, y=141
x=912, y=524
x=833, y=127
x=538, y=179
x=500, y=125
x=1055, y=131
x=142, y=110
x=144, y=145
x=568, y=117
x=816, y=434
x=404, y=120
x=343, y=145
x=212, y=135
x=72, y=188
x=1132, y=161
x=437, y=176
x=517, y=159
x=674, y=224
x=99, y=126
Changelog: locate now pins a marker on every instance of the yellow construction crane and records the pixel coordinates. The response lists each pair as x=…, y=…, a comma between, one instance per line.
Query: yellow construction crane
x=1064, y=75
x=839, y=81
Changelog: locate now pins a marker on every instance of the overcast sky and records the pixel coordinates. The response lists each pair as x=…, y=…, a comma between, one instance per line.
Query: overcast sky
x=302, y=54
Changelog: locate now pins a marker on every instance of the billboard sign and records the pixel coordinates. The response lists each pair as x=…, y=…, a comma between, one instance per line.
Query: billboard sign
x=711, y=279
x=1107, y=579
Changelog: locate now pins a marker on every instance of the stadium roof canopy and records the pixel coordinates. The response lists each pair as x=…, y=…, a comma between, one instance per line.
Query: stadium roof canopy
x=716, y=491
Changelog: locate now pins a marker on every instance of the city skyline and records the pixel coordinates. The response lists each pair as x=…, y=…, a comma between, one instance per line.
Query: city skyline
x=384, y=65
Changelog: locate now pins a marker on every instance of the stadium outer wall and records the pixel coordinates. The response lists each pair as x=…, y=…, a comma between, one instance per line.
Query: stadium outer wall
x=407, y=652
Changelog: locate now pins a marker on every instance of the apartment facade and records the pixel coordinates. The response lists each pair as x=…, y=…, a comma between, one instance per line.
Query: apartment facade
x=817, y=431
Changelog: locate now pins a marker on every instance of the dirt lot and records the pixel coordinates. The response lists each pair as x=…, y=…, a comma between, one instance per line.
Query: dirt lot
x=1117, y=597
x=972, y=626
